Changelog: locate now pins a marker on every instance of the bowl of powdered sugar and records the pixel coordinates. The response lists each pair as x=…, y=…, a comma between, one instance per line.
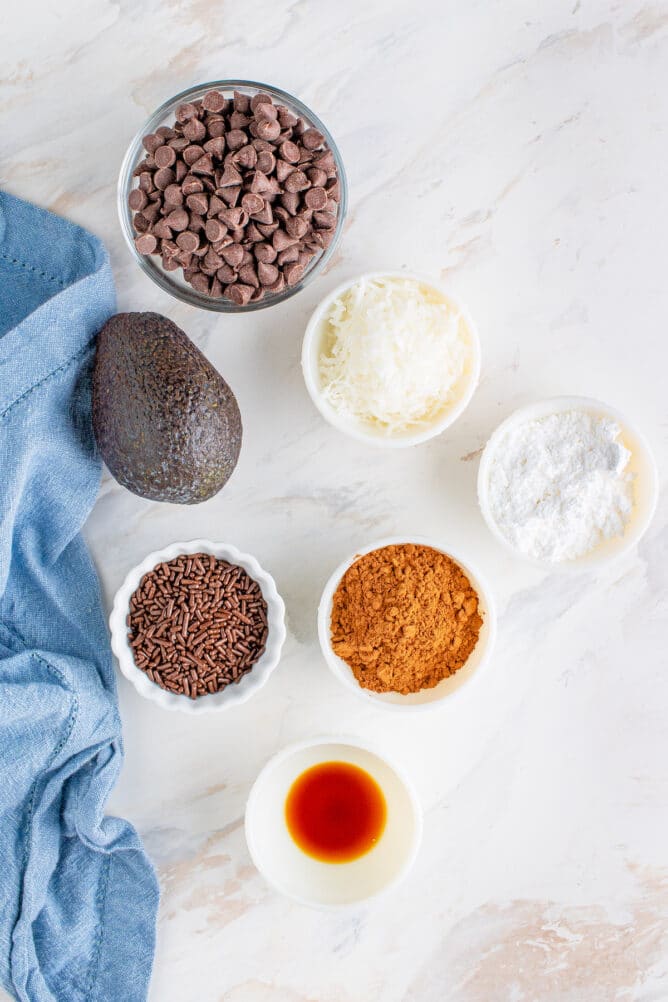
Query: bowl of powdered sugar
x=567, y=482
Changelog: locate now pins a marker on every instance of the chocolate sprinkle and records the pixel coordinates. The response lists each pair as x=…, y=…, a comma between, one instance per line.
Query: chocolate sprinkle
x=196, y=624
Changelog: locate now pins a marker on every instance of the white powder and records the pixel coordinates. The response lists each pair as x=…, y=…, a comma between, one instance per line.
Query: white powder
x=558, y=486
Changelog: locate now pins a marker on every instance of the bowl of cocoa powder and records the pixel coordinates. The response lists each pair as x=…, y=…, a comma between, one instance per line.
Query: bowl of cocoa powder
x=198, y=626
x=232, y=196
x=406, y=623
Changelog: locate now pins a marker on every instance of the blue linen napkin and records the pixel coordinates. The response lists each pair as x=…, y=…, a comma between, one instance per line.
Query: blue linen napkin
x=78, y=896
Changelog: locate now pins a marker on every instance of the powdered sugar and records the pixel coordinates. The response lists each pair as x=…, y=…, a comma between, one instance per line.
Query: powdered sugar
x=558, y=486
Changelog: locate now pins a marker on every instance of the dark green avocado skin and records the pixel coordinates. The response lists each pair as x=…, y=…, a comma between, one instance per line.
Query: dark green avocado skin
x=166, y=423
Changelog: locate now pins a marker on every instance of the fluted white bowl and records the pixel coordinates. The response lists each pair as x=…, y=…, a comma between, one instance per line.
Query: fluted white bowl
x=231, y=695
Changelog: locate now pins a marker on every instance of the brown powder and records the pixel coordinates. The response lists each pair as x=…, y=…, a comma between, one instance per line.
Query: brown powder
x=404, y=617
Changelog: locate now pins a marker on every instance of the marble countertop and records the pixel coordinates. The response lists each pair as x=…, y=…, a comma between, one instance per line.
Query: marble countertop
x=516, y=151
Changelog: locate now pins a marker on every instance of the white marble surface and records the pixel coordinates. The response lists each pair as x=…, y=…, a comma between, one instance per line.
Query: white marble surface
x=517, y=151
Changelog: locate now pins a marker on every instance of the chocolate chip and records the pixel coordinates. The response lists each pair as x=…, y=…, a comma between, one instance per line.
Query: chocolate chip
x=267, y=229
x=312, y=139
x=288, y=255
x=259, y=98
x=151, y=211
x=265, y=253
x=283, y=170
x=216, y=147
x=296, y=226
x=289, y=151
x=252, y=235
x=233, y=255
x=178, y=220
x=192, y=154
x=164, y=177
x=200, y=283
x=286, y=118
x=146, y=181
x=137, y=199
x=290, y=201
x=324, y=220
x=231, y=178
x=297, y=181
x=165, y=156
x=316, y=198
x=280, y=240
x=266, y=128
x=146, y=243
x=248, y=275
x=239, y=294
x=185, y=112
x=241, y=101
x=334, y=190
x=187, y=241
x=213, y=101
x=246, y=156
x=151, y=142
x=191, y=185
x=317, y=177
x=211, y=261
x=251, y=202
x=197, y=223
x=293, y=273
x=238, y=120
x=173, y=195
x=203, y=166
x=198, y=202
x=236, y=138
x=161, y=229
x=266, y=161
x=267, y=273
x=216, y=128
x=231, y=217
x=194, y=130
x=215, y=230
x=266, y=110
x=326, y=162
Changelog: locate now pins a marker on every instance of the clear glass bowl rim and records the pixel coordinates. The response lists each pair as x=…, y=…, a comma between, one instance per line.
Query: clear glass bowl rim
x=125, y=184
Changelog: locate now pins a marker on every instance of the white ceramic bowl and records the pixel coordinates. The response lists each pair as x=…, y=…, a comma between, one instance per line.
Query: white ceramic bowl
x=231, y=695
x=329, y=885
x=311, y=349
x=642, y=464
x=449, y=688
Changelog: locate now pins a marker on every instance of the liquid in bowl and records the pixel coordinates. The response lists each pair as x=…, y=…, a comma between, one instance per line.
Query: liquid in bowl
x=335, y=812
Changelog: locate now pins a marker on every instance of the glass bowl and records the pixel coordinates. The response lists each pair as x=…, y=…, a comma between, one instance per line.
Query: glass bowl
x=173, y=281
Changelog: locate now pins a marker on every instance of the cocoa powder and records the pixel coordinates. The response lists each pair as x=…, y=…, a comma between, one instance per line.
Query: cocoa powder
x=404, y=617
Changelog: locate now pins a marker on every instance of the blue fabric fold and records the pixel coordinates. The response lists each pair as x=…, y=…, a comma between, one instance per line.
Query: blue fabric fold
x=78, y=896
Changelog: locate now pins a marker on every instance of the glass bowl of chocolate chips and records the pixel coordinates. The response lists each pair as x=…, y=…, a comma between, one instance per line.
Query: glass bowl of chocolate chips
x=233, y=196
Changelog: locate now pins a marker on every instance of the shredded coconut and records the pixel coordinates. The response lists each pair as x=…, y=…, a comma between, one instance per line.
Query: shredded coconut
x=394, y=352
x=558, y=486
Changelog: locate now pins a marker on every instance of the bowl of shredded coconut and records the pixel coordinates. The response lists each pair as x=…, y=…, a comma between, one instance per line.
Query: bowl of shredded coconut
x=567, y=482
x=391, y=359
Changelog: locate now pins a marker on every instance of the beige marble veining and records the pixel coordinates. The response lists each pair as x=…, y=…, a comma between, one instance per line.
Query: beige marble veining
x=518, y=152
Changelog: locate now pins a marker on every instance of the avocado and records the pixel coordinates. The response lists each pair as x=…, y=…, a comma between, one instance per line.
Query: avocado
x=166, y=423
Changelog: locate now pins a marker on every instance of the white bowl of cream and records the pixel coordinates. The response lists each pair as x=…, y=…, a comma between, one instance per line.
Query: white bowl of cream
x=567, y=482
x=391, y=359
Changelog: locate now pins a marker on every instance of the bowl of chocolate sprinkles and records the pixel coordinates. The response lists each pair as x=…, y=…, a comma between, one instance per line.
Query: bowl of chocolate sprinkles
x=232, y=196
x=198, y=626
